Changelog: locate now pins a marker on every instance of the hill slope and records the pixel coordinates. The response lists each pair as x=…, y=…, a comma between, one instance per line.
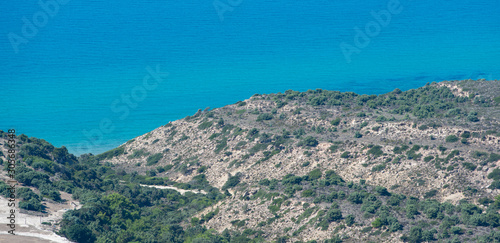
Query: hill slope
x=418, y=165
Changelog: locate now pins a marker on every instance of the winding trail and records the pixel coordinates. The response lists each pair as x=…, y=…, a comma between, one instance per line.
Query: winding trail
x=181, y=191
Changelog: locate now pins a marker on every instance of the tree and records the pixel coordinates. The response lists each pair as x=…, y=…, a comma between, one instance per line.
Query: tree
x=382, y=191
x=80, y=234
x=415, y=235
x=333, y=215
x=350, y=220
x=377, y=223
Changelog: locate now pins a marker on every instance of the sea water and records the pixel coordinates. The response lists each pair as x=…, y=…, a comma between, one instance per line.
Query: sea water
x=82, y=73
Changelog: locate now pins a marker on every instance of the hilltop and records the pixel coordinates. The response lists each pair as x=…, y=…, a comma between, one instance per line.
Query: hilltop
x=416, y=165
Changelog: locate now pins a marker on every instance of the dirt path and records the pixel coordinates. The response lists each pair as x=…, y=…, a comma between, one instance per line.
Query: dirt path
x=181, y=191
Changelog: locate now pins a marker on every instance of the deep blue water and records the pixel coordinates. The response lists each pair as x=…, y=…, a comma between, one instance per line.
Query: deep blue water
x=64, y=78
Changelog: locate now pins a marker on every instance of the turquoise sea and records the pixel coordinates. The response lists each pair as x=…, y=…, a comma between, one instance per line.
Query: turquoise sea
x=76, y=72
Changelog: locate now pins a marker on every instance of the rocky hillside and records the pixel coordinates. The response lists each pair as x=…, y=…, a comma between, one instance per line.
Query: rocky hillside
x=419, y=165
x=441, y=141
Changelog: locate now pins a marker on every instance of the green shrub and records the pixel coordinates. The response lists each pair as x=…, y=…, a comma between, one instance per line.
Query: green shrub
x=465, y=134
x=469, y=166
x=336, y=122
x=153, y=159
x=202, y=169
x=79, y=233
x=495, y=174
x=376, y=151
x=382, y=191
x=423, y=127
x=456, y=230
x=493, y=157
x=350, y=220
x=345, y=155
x=451, y=139
x=472, y=117
x=308, y=141
x=442, y=149
x=494, y=185
x=138, y=154
x=111, y=153
x=333, y=148
x=430, y=193
x=400, y=150
x=428, y=158
x=314, y=175
x=377, y=223
x=231, y=182
x=333, y=215
x=220, y=145
x=205, y=125
x=264, y=117
x=356, y=197
x=308, y=193
x=379, y=167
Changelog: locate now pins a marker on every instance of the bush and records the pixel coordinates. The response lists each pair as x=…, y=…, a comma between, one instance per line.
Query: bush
x=400, y=150
x=472, y=117
x=356, y=197
x=430, y=193
x=379, y=167
x=451, y=139
x=79, y=233
x=231, y=182
x=153, y=159
x=264, y=117
x=333, y=148
x=308, y=141
x=333, y=215
x=377, y=223
x=493, y=157
x=205, y=125
x=495, y=174
x=376, y=151
x=423, y=127
x=345, y=155
x=110, y=154
x=308, y=193
x=456, y=230
x=382, y=191
x=469, y=166
x=350, y=220
x=314, y=175
x=495, y=185
x=336, y=122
